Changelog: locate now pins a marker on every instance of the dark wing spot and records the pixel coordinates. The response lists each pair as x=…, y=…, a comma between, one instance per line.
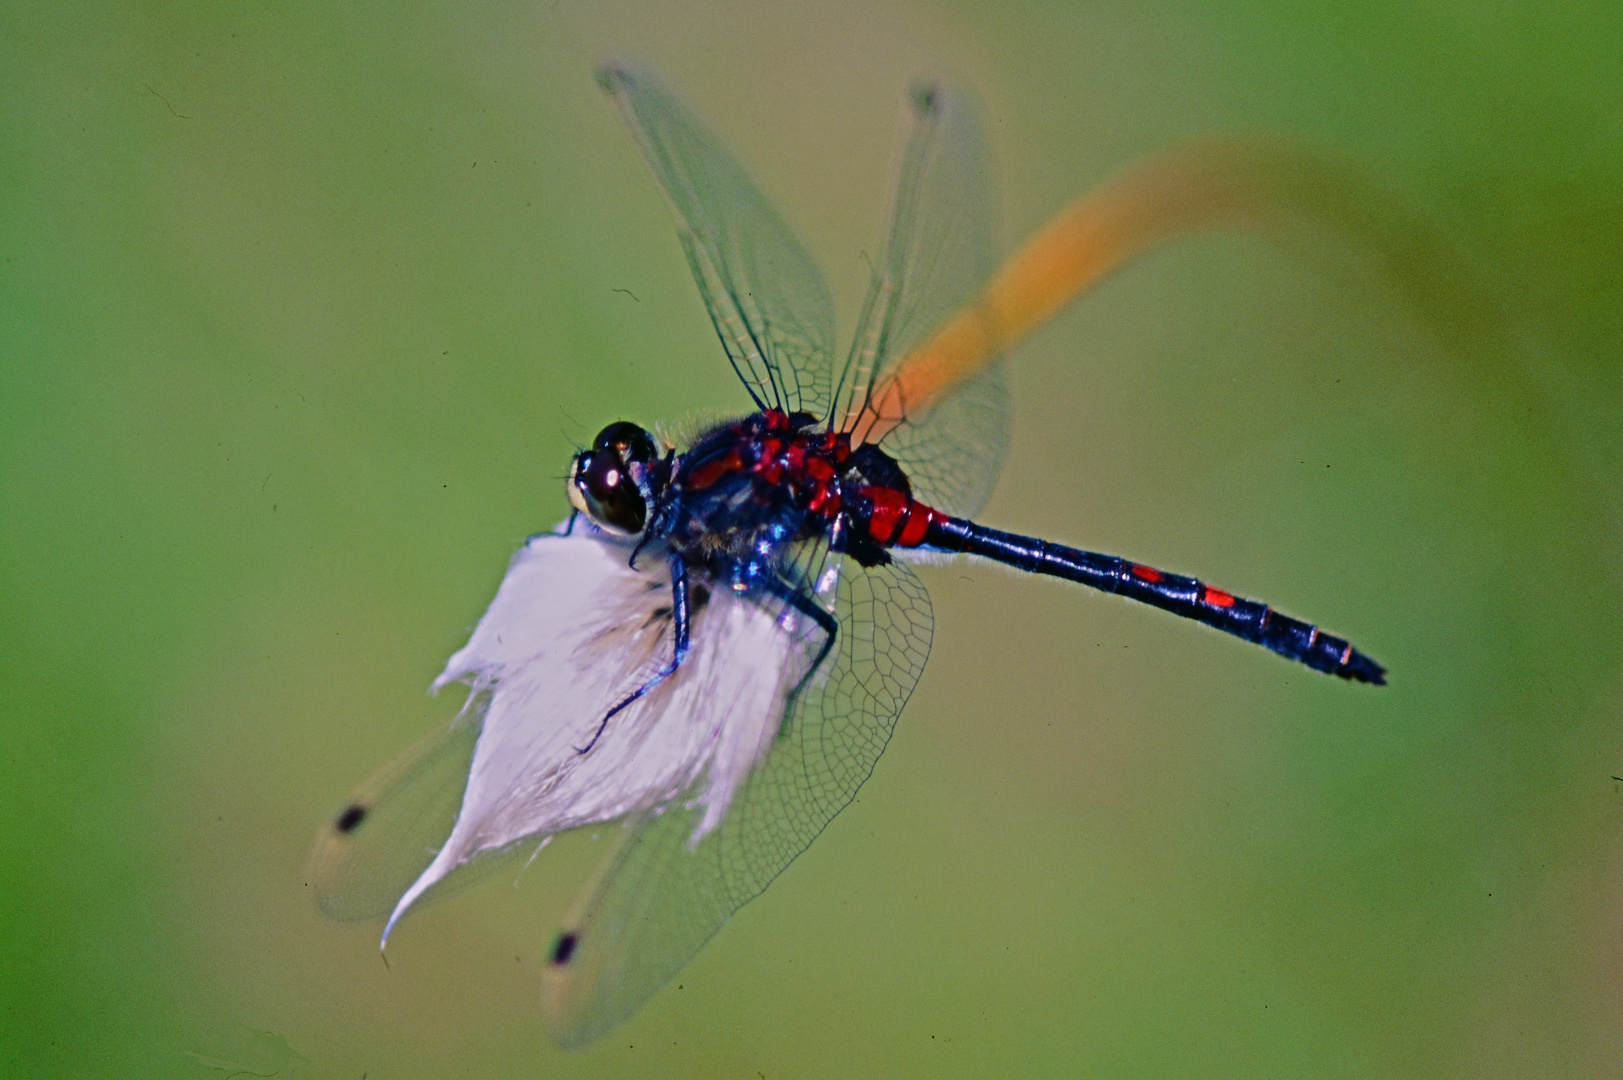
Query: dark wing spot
x=564, y=948
x=351, y=818
x=701, y=597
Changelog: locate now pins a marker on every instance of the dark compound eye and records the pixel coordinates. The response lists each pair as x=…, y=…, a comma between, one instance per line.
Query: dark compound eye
x=602, y=484
x=628, y=442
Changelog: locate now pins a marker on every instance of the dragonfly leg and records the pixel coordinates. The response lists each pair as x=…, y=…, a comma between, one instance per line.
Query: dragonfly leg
x=681, y=619
x=817, y=614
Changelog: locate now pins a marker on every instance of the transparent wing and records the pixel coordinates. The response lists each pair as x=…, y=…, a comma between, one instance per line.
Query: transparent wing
x=393, y=824
x=657, y=901
x=767, y=299
x=938, y=259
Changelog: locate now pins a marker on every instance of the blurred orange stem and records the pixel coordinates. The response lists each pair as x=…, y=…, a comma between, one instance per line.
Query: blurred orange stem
x=1256, y=184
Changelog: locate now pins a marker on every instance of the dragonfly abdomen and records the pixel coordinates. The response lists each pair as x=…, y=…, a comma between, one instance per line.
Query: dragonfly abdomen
x=1193, y=599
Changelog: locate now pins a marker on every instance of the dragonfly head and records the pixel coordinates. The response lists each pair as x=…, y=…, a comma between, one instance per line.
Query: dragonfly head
x=611, y=482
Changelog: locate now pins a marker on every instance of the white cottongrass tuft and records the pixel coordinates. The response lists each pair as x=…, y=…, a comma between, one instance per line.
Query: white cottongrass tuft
x=573, y=631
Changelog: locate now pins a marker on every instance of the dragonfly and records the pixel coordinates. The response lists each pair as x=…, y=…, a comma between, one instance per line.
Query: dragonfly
x=715, y=646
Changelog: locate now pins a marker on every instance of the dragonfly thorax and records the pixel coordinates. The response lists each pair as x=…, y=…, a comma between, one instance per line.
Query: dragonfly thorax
x=745, y=491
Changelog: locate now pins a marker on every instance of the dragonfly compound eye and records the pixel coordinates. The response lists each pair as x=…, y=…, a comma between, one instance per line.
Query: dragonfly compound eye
x=603, y=482
x=628, y=442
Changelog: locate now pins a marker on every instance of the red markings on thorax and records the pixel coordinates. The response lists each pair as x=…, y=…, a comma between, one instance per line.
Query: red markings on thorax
x=707, y=474
x=776, y=456
x=809, y=465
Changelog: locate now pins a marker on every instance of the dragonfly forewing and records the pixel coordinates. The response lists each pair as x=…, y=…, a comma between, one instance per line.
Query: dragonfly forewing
x=938, y=258
x=767, y=299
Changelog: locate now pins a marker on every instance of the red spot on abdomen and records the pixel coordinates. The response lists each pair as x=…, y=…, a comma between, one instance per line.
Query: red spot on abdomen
x=1148, y=573
x=889, y=510
x=919, y=518
x=896, y=520
x=1216, y=597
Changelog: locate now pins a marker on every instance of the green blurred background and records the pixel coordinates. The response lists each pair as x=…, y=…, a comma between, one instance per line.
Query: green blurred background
x=303, y=308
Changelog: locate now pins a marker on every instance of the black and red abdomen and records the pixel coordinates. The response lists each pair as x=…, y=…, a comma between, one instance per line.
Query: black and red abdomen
x=1251, y=620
